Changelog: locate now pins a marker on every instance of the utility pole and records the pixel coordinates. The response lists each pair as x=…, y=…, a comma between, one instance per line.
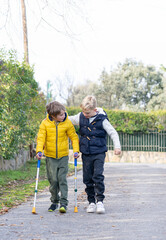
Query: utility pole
x=26, y=54
x=24, y=22
x=49, y=95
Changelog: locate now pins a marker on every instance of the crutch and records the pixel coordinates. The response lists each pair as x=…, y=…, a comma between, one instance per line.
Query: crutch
x=37, y=178
x=75, y=185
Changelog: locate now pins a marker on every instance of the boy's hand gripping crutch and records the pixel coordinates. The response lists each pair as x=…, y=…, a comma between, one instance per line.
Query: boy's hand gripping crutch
x=37, y=178
x=75, y=181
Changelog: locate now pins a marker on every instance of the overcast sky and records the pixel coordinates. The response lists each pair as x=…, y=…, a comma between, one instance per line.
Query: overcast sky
x=96, y=35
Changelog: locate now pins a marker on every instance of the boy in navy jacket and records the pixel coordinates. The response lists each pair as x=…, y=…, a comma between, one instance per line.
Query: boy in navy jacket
x=94, y=126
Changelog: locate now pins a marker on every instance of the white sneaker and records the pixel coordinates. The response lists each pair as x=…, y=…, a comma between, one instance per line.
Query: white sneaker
x=100, y=207
x=91, y=208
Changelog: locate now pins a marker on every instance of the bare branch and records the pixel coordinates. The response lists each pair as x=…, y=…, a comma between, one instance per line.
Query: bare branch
x=7, y=15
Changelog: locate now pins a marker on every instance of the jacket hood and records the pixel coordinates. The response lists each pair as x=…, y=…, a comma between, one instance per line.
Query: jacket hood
x=101, y=111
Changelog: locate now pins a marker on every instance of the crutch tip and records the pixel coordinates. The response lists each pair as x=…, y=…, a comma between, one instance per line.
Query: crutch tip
x=34, y=210
x=75, y=209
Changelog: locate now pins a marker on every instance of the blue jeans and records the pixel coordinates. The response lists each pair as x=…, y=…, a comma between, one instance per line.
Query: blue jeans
x=93, y=178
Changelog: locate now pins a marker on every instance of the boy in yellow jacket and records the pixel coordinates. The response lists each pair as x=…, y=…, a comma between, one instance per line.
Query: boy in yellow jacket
x=53, y=137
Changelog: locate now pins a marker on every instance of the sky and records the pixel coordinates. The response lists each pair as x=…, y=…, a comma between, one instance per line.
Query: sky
x=80, y=41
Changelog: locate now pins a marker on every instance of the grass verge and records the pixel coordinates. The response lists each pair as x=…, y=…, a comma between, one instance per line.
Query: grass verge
x=18, y=185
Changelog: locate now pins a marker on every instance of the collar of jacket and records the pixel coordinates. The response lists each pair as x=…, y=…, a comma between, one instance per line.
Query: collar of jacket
x=50, y=118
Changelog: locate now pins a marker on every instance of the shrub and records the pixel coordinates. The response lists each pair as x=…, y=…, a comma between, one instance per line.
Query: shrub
x=130, y=122
x=21, y=105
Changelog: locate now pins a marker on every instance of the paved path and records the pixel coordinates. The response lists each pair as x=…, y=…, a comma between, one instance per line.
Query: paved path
x=135, y=210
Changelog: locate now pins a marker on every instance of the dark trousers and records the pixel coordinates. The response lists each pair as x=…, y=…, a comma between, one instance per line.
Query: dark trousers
x=93, y=178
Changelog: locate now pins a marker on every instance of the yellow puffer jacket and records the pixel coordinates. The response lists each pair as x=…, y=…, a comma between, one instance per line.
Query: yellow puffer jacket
x=53, y=138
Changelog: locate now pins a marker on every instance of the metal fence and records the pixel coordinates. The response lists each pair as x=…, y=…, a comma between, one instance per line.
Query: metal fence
x=153, y=141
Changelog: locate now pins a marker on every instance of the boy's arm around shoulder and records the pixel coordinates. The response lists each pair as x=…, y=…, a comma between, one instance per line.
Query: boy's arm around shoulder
x=75, y=119
x=73, y=137
x=114, y=136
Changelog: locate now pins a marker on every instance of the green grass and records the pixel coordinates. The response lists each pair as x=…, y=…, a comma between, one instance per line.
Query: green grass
x=18, y=185
x=25, y=173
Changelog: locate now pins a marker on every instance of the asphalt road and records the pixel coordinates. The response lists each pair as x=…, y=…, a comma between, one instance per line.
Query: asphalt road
x=135, y=202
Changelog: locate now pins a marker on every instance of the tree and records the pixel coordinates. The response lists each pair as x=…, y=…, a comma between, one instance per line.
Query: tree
x=111, y=90
x=64, y=88
x=142, y=83
x=53, y=14
x=21, y=105
x=131, y=84
x=80, y=91
x=159, y=102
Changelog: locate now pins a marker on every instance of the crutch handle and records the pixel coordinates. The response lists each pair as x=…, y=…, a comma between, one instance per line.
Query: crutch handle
x=39, y=155
x=76, y=155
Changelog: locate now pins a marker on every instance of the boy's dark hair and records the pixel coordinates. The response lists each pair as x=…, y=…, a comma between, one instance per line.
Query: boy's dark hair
x=54, y=108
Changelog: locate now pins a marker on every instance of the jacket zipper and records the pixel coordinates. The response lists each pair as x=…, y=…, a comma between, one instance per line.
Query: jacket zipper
x=56, y=140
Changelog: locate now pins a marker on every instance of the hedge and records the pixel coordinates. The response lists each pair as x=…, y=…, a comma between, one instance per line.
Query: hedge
x=130, y=122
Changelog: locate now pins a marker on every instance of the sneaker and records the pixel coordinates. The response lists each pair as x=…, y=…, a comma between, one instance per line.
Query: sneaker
x=53, y=207
x=91, y=208
x=62, y=209
x=100, y=207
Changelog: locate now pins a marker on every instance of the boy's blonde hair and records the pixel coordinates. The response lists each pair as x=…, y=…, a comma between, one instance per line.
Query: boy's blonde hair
x=89, y=103
x=54, y=108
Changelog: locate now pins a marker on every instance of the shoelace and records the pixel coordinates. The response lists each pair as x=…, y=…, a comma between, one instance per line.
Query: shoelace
x=100, y=204
x=91, y=206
